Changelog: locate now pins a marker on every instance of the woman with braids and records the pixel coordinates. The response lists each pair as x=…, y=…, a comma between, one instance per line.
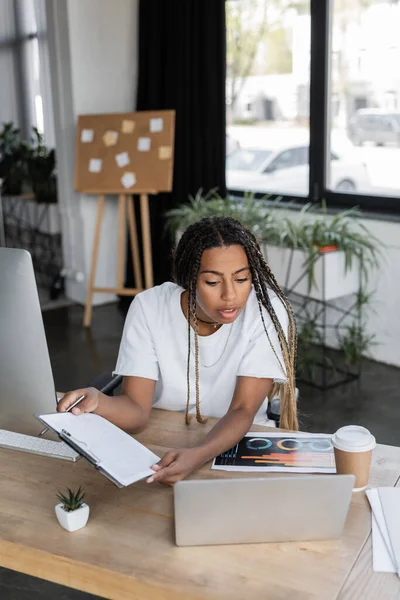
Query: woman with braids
x=218, y=342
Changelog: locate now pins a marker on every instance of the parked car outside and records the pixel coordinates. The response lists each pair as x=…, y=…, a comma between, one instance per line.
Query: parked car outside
x=286, y=171
x=375, y=125
x=231, y=144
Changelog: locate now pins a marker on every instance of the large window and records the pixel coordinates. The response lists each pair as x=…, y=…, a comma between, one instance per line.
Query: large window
x=365, y=95
x=267, y=87
x=313, y=100
x=25, y=91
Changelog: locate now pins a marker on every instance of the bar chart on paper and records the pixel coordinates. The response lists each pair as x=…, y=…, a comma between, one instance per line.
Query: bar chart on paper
x=294, y=452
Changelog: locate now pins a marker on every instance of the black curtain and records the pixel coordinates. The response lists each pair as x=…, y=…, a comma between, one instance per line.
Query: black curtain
x=182, y=57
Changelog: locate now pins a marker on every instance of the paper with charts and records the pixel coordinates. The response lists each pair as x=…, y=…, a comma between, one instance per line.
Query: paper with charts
x=273, y=452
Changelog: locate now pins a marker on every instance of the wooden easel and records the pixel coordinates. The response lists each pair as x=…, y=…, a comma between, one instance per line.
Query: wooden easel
x=126, y=214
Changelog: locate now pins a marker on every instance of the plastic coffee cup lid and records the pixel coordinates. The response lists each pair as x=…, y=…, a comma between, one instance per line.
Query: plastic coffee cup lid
x=353, y=438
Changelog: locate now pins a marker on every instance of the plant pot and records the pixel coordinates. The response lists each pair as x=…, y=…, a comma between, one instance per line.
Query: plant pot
x=12, y=182
x=45, y=190
x=330, y=274
x=12, y=188
x=72, y=520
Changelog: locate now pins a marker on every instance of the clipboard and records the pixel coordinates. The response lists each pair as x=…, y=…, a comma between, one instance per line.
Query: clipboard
x=112, y=451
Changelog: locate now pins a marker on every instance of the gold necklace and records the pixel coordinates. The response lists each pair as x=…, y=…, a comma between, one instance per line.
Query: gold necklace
x=223, y=351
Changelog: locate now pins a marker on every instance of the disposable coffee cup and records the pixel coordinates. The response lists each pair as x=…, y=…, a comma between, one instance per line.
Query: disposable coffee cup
x=353, y=447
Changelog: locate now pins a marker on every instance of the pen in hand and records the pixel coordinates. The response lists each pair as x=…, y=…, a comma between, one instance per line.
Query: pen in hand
x=67, y=410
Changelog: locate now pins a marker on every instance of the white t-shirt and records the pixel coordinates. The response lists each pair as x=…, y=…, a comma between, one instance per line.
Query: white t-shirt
x=154, y=345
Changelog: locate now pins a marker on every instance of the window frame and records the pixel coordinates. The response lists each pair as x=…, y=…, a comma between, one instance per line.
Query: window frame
x=320, y=107
x=17, y=44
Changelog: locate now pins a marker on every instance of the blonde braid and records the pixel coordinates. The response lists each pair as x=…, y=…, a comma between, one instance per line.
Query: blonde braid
x=187, y=418
x=199, y=416
x=191, y=312
x=287, y=391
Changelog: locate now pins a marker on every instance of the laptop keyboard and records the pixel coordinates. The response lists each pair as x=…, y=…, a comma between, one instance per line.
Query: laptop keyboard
x=35, y=445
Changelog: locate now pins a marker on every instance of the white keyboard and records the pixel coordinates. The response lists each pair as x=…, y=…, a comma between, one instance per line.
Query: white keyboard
x=36, y=445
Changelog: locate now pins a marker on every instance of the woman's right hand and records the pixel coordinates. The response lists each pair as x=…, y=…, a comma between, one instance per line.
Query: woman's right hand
x=89, y=404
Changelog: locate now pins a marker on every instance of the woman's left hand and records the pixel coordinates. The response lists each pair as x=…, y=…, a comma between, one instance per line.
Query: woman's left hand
x=176, y=465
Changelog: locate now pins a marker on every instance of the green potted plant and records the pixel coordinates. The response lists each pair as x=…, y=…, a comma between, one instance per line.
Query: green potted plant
x=254, y=214
x=41, y=163
x=355, y=343
x=309, y=343
x=12, y=160
x=72, y=512
x=323, y=256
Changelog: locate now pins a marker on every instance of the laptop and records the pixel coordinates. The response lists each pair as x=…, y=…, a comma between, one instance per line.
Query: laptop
x=27, y=384
x=261, y=509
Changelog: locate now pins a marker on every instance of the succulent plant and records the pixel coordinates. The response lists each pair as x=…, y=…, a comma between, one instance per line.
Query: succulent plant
x=72, y=500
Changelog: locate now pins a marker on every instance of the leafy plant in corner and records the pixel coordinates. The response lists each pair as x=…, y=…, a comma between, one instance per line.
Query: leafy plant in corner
x=355, y=343
x=72, y=500
x=41, y=164
x=319, y=232
x=12, y=160
x=254, y=214
x=309, y=342
x=310, y=357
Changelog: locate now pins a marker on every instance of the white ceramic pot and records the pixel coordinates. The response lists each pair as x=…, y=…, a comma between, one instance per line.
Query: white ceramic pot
x=73, y=520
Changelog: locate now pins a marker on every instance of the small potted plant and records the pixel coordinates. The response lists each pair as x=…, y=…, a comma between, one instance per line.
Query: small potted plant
x=41, y=163
x=72, y=512
x=323, y=256
x=12, y=160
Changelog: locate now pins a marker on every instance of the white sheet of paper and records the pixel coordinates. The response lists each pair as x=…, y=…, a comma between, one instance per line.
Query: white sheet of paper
x=87, y=136
x=156, y=125
x=382, y=558
x=122, y=159
x=144, y=144
x=390, y=502
x=128, y=180
x=95, y=165
x=118, y=453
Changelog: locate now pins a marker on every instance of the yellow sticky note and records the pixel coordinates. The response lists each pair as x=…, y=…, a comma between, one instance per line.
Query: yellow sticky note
x=164, y=152
x=128, y=126
x=110, y=138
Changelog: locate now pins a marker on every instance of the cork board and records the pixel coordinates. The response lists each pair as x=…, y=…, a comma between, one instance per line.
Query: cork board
x=125, y=153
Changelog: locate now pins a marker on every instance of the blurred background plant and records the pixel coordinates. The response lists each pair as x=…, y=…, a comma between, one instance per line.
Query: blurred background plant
x=27, y=166
x=256, y=214
x=13, y=170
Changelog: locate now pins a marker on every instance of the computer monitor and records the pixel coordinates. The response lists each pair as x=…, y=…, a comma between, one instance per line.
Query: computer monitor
x=26, y=379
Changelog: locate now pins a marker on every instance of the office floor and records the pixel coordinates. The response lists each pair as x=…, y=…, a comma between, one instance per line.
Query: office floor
x=47, y=303
x=78, y=355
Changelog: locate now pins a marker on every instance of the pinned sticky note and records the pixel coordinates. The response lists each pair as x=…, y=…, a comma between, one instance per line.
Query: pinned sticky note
x=144, y=144
x=95, y=165
x=128, y=180
x=128, y=126
x=164, y=152
x=110, y=138
x=87, y=136
x=122, y=159
x=156, y=125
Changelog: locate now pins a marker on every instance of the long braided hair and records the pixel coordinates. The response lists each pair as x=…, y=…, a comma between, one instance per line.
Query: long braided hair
x=214, y=232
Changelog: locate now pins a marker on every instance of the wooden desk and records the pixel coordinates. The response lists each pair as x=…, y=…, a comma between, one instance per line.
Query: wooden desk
x=127, y=550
